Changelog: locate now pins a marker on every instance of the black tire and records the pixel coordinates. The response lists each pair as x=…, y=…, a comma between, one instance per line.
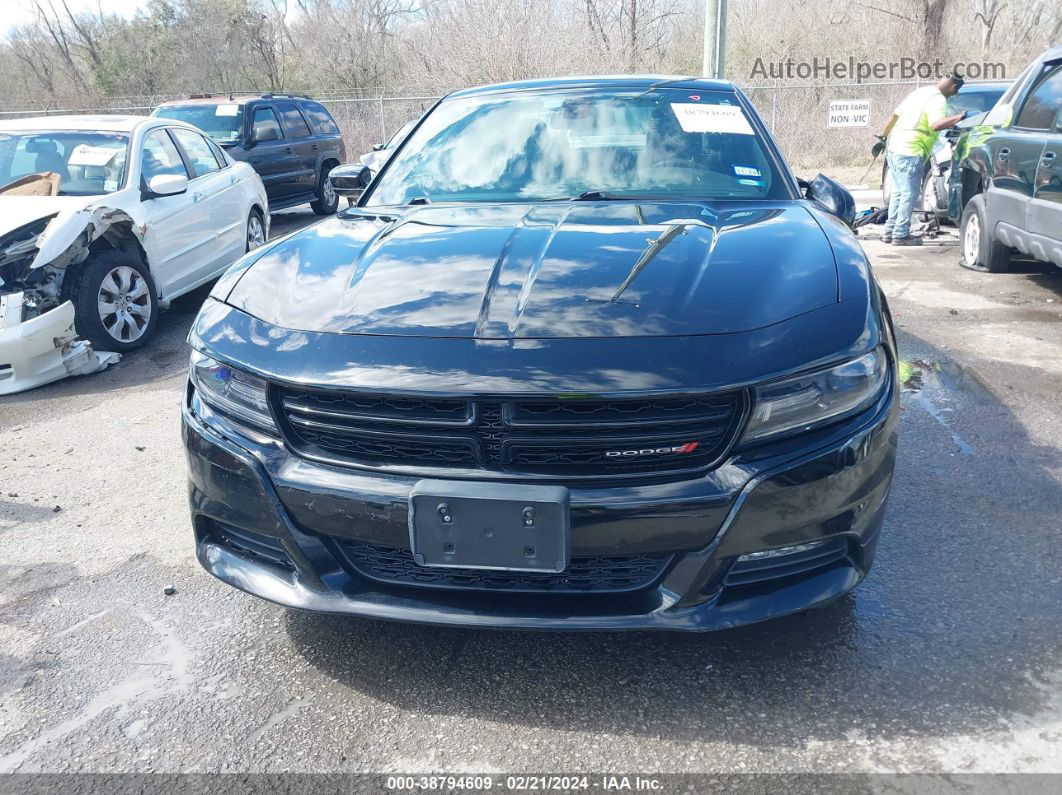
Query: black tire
x=321, y=205
x=89, y=294
x=979, y=249
x=940, y=196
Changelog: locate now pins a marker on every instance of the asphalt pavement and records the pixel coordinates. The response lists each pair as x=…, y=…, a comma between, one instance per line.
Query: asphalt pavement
x=947, y=659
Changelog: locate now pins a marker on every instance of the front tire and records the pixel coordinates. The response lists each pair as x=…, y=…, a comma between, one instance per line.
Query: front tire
x=980, y=249
x=327, y=201
x=115, y=307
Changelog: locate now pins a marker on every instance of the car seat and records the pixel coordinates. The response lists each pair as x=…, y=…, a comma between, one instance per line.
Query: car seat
x=48, y=158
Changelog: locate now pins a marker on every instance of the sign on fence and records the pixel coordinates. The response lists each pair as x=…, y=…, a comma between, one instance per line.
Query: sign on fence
x=849, y=113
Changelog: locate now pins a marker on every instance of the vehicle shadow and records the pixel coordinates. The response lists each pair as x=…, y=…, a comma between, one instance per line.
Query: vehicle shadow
x=953, y=631
x=1043, y=275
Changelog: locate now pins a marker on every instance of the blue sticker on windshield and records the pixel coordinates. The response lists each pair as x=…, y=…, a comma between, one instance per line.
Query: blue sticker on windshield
x=746, y=171
x=757, y=182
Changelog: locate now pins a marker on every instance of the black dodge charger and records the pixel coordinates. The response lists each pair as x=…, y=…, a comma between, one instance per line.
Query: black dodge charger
x=584, y=354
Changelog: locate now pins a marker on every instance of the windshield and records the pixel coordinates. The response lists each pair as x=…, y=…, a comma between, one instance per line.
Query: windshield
x=549, y=146
x=87, y=163
x=977, y=100
x=400, y=135
x=223, y=122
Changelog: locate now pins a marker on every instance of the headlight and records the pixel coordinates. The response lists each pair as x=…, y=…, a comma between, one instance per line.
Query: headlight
x=231, y=391
x=806, y=401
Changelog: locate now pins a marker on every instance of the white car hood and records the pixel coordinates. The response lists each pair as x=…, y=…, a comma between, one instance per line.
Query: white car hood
x=16, y=211
x=72, y=215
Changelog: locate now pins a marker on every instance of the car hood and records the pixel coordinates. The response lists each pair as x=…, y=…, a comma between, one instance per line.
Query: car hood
x=548, y=270
x=17, y=211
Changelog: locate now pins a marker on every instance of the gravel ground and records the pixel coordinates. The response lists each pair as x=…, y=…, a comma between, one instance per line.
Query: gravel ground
x=947, y=659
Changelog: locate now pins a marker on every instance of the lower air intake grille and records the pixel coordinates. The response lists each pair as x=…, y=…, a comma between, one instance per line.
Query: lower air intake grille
x=583, y=575
x=254, y=545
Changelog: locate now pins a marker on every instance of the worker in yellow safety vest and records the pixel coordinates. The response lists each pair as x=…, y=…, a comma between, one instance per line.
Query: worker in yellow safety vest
x=910, y=134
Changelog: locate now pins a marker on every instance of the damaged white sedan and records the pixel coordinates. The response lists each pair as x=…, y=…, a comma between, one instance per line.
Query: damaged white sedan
x=103, y=221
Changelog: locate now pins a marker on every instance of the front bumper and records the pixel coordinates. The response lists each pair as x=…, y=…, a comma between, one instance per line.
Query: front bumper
x=42, y=349
x=832, y=489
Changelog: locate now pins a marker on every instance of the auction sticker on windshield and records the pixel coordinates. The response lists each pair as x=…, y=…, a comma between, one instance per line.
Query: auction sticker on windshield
x=226, y=110
x=711, y=118
x=85, y=155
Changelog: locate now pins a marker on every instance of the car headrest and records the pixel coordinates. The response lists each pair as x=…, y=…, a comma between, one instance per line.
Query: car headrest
x=42, y=146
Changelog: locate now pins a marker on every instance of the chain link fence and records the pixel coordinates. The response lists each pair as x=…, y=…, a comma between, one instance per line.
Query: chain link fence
x=797, y=115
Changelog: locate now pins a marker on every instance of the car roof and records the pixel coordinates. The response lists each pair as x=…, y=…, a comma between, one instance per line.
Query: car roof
x=602, y=81
x=234, y=99
x=95, y=123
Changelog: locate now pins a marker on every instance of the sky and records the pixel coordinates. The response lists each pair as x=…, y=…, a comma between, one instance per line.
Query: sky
x=19, y=12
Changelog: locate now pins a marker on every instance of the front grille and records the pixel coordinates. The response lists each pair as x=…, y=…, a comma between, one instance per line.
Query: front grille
x=583, y=575
x=563, y=437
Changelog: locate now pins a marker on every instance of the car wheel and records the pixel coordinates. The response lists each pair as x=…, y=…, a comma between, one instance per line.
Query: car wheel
x=256, y=235
x=980, y=249
x=935, y=195
x=929, y=192
x=114, y=301
x=327, y=201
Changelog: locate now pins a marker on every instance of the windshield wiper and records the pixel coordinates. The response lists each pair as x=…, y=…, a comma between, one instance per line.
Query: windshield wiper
x=419, y=200
x=596, y=196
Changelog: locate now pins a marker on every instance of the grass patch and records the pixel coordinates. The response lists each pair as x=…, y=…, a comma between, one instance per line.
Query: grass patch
x=906, y=371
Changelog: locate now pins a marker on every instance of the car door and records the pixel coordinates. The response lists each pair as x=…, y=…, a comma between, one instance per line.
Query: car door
x=269, y=155
x=1044, y=217
x=302, y=146
x=176, y=232
x=326, y=133
x=1016, y=151
x=1045, y=211
x=214, y=187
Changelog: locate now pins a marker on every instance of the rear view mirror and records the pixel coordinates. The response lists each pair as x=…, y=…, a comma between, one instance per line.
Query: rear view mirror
x=831, y=197
x=350, y=179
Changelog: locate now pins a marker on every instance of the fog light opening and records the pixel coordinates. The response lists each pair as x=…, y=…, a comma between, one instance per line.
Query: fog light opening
x=790, y=561
x=780, y=552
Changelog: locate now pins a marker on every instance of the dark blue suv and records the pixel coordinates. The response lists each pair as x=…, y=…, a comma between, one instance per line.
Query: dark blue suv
x=290, y=140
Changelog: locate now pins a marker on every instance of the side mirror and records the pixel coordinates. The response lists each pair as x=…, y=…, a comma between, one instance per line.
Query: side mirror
x=166, y=185
x=831, y=197
x=378, y=147
x=264, y=134
x=350, y=179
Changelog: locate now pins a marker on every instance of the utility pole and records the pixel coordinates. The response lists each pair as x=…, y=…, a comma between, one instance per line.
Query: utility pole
x=714, y=39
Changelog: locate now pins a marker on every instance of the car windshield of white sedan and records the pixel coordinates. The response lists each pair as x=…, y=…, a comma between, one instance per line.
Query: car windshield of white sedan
x=88, y=163
x=223, y=122
x=560, y=145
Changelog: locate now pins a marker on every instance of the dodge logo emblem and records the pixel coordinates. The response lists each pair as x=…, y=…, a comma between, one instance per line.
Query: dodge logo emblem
x=689, y=447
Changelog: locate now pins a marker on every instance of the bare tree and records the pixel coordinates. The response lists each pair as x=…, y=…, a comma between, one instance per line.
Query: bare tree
x=986, y=14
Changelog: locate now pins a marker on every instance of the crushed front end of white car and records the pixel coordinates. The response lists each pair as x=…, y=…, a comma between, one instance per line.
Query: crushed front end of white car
x=38, y=341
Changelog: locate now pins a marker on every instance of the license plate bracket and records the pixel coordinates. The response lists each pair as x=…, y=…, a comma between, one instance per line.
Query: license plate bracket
x=499, y=526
